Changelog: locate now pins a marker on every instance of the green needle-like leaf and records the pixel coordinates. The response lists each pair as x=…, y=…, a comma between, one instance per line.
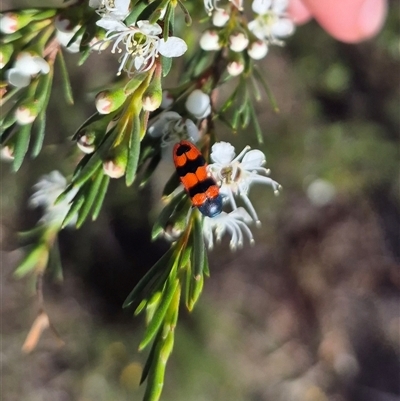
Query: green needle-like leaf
x=151, y=359
x=65, y=79
x=256, y=124
x=134, y=151
x=199, y=249
x=21, y=145
x=136, y=11
x=100, y=197
x=159, y=314
x=94, y=164
x=77, y=203
x=91, y=195
x=195, y=291
x=39, y=131
x=37, y=257
x=166, y=63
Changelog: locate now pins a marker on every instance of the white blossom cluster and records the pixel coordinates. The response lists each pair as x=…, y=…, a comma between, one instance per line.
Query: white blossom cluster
x=235, y=175
x=271, y=24
x=139, y=44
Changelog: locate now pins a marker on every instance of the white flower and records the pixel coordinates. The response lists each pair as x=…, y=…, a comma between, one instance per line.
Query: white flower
x=47, y=190
x=198, y=103
x=272, y=22
x=236, y=174
x=235, y=223
x=118, y=9
x=142, y=44
x=172, y=128
x=26, y=66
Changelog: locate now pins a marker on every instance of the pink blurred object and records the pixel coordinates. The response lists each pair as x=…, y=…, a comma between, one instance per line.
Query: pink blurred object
x=349, y=21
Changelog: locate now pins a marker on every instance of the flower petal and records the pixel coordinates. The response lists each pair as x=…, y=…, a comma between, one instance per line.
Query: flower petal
x=149, y=29
x=283, y=27
x=173, y=47
x=261, y=6
x=111, y=24
x=16, y=78
x=222, y=152
x=253, y=159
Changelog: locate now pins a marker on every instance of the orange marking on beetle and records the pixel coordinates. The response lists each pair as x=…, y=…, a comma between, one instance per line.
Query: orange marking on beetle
x=212, y=192
x=189, y=180
x=199, y=199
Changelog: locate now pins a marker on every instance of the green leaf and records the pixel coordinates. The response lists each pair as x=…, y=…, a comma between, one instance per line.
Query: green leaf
x=84, y=56
x=76, y=204
x=39, y=131
x=152, y=358
x=199, y=249
x=90, y=195
x=256, y=125
x=136, y=10
x=158, y=317
x=195, y=291
x=206, y=268
x=155, y=379
x=164, y=263
x=65, y=79
x=9, y=118
x=100, y=197
x=134, y=152
x=94, y=164
x=267, y=89
x=37, y=256
x=166, y=63
x=21, y=145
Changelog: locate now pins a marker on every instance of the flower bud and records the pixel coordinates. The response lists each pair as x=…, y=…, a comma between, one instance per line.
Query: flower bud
x=110, y=100
x=209, y=41
x=238, y=42
x=257, y=50
x=235, y=68
x=115, y=165
x=220, y=17
x=26, y=113
x=86, y=142
x=11, y=22
x=198, y=103
x=6, y=52
x=152, y=96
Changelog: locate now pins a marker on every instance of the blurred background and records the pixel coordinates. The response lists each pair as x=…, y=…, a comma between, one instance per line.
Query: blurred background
x=310, y=313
